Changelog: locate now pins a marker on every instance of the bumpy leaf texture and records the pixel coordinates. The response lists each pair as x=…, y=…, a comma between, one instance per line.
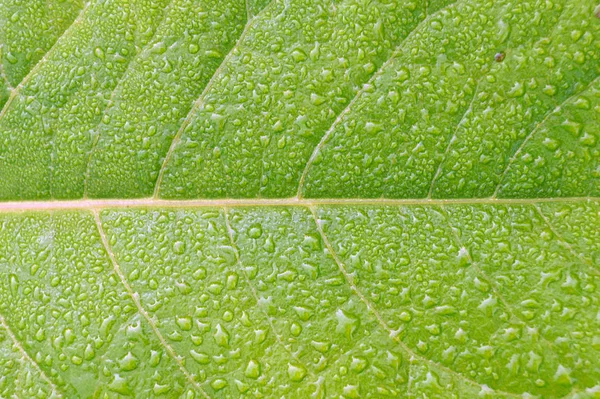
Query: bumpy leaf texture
x=299, y=198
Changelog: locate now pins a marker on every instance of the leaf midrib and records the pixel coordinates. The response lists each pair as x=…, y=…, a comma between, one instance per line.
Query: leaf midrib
x=83, y=204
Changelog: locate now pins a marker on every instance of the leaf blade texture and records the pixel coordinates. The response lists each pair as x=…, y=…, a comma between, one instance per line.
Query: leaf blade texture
x=299, y=198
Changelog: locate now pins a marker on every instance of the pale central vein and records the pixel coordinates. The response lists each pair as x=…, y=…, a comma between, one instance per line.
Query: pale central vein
x=91, y=204
x=135, y=298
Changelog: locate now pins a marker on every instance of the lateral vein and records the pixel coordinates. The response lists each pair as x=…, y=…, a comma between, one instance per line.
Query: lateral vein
x=32, y=72
x=357, y=96
x=26, y=356
x=135, y=298
x=253, y=289
x=200, y=100
x=392, y=334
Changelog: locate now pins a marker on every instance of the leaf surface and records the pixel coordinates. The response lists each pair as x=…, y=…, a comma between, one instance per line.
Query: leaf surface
x=299, y=198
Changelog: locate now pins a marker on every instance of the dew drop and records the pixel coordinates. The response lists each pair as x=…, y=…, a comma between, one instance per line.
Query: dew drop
x=218, y=384
x=221, y=336
x=252, y=369
x=128, y=362
x=255, y=231
x=296, y=372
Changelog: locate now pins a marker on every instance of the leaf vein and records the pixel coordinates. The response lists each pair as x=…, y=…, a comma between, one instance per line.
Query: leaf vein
x=358, y=94
x=392, y=334
x=135, y=298
x=452, y=139
x=33, y=71
x=253, y=289
x=109, y=104
x=515, y=318
x=20, y=206
x=564, y=242
x=199, y=101
x=549, y=114
x=26, y=356
x=2, y=72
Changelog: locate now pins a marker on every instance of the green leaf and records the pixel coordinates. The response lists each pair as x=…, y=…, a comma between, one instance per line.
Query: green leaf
x=299, y=198
x=362, y=300
x=28, y=30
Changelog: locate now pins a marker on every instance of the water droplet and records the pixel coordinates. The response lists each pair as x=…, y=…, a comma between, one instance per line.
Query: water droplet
x=351, y=392
x=99, y=52
x=221, y=336
x=128, y=362
x=218, y=384
x=358, y=364
x=347, y=323
x=201, y=358
x=322, y=347
x=296, y=372
x=588, y=139
x=551, y=144
x=252, y=369
x=562, y=375
x=76, y=360
x=298, y=55
x=119, y=385
x=40, y=335
x=255, y=231
x=185, y=323
x=179, y=247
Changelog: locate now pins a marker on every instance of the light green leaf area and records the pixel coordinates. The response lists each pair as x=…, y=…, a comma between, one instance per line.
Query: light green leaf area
x=328, y=301
x=300, y=199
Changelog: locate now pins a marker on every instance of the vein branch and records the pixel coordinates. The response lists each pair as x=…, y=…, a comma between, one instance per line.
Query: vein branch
x=111, y=98
x=475, y=266
x=135, y=298
x=253, y=289
x=248, y=12
x=392, y=333
x=26, y=356
x=548, y=115
x=564, y=242
x=15, y=91
x=515, y=318
x=2, y=71
x=200, y=100
x=359, y=94
x=453, y=138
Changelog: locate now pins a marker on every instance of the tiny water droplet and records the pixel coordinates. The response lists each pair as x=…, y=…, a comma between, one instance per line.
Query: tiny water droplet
x=296, y=372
